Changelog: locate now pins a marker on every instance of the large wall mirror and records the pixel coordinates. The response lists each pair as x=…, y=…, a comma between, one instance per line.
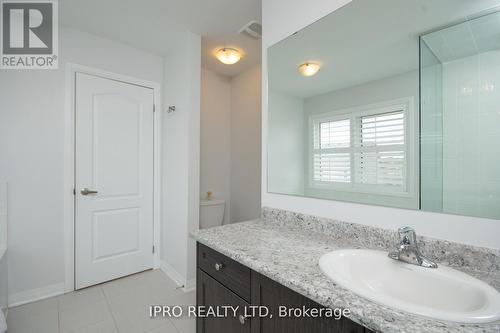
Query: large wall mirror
x=393, y=103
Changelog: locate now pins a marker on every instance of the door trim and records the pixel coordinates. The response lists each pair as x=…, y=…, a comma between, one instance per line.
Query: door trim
x=69, y=164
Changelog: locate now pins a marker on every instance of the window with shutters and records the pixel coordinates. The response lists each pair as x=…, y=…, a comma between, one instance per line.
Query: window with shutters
x=364, y=150
x=332, y=160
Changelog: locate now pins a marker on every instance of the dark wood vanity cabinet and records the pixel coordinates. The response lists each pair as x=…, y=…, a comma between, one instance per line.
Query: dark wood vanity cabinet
x=222, y=281
x=212, y=293
x=271, y=294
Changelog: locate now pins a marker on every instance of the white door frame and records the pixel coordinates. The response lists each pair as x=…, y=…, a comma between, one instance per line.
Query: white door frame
x=69, y=164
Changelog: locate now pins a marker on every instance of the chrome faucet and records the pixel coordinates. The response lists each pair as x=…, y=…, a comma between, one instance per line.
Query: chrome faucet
x=407, y=249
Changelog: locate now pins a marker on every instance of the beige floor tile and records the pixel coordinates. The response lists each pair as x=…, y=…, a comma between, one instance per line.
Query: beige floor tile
x=167, y=328
x=36, y=308
x=119, y=306
x=80, y=298
x=33, y=324
x=185, y=325
x=149, y=282
x=37, y=317
x=135, y=319
x=176, y=299
x=107, y=326
x=83, y=315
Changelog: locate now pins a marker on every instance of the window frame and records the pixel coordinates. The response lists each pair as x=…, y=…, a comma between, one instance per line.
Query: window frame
x=354, y=114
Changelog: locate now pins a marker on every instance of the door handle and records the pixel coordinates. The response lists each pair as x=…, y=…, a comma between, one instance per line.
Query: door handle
x=86, y=191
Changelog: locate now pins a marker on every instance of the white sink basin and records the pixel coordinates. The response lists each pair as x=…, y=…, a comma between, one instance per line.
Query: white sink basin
x=441, y=293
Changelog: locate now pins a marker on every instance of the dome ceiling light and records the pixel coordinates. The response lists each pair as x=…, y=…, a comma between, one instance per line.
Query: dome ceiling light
x=228, y=56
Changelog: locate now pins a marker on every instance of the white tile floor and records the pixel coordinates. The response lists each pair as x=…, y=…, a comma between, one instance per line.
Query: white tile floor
x=119, y=306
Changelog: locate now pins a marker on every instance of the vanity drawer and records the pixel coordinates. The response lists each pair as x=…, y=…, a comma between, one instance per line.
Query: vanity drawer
x=228, y=272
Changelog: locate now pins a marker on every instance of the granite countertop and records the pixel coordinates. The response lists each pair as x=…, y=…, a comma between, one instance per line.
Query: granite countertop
x=289, y=254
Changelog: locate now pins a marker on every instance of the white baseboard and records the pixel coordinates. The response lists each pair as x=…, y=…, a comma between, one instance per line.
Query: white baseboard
x=187, y=285
x=37, y=294
x=172, y=273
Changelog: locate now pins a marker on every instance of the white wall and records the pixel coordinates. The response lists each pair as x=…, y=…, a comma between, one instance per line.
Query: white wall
x=216, y=137
x=32, y=117
x=284, y=17
x=230, y=141
x=4, y=289
x=181, y=158
x=286, y=158
x=476, y=231
x=246, y=145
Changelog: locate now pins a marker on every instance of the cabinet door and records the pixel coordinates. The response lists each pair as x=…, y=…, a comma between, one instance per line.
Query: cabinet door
x=211, y=293
x=271, y=294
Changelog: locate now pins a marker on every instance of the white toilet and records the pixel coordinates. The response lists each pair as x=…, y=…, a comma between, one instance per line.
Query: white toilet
x=211, y=213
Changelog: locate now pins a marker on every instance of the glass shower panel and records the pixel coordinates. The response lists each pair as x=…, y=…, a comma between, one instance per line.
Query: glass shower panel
x=431, y=132
x=460, y=118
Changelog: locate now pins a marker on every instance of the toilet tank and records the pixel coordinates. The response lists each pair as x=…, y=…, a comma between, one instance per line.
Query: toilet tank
x=211, y=213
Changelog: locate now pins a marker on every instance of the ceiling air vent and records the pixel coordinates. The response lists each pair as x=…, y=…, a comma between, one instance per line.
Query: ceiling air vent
x=252, y=29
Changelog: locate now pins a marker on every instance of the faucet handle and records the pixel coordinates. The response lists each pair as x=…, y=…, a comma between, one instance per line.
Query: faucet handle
x=407, y=236
x=407, y=249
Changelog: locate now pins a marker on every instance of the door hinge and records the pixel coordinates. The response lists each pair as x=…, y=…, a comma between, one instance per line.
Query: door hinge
x=153, y=249
x=154, y=107
x=74, y=192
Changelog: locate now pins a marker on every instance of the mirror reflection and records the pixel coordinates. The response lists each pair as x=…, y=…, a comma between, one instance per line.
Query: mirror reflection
x=460, y=148
x=350, y=104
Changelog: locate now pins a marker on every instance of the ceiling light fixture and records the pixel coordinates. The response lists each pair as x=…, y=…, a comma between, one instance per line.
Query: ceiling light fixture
x=309, y=69
x=228, y=56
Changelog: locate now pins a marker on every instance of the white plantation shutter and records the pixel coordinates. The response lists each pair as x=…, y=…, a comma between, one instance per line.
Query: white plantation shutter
x=363, y=150
x=335, y=134
x=332, y=158
x=380, y=158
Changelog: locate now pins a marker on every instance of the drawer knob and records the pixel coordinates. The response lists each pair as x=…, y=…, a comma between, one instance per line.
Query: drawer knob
x=218, y=266
x=243, y=319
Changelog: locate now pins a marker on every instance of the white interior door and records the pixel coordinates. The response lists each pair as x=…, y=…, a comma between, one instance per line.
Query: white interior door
x=113, y=179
